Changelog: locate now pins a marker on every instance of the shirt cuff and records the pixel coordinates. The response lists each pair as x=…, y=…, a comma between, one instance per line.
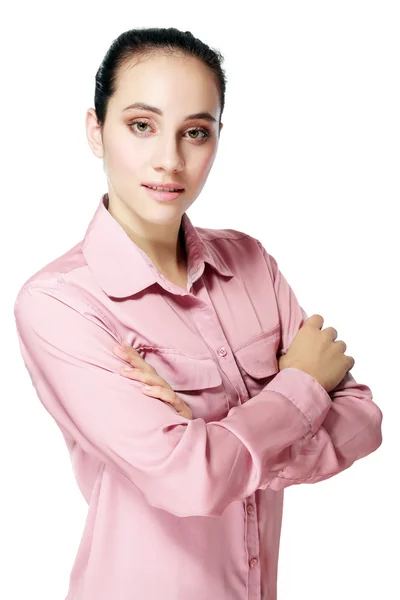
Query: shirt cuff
x=306, y=393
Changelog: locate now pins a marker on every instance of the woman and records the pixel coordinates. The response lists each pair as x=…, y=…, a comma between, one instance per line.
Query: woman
x=247, y=395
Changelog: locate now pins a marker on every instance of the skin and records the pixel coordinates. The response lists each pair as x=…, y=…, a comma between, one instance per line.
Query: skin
x=166, y=149
x=147, y=374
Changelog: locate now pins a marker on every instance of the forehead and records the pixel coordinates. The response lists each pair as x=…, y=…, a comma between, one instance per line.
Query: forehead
x=173, y=83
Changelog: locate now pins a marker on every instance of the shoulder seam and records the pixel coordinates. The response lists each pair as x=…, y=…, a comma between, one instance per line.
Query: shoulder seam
x=228, y=237
x=57, y=285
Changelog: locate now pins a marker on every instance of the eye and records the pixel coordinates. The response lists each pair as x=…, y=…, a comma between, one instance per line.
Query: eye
x=141, y=132
x=138, y=123
x=200, y=130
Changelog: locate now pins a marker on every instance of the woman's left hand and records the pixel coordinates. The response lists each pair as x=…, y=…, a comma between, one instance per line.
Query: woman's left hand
x=144, y=372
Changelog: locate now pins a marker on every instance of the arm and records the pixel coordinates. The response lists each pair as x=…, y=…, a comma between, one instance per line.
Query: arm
x=352, y=427
x=185, y=467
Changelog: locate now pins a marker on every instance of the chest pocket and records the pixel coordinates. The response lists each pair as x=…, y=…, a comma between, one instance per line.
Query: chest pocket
x=196, y=380
x=257, y=360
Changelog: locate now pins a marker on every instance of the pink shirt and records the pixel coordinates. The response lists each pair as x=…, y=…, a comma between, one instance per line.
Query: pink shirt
x=182, y=509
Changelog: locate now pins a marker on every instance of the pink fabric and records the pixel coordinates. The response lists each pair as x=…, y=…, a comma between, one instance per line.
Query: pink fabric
x=182, y=509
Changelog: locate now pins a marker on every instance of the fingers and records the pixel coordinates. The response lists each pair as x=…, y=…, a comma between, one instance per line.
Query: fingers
x=169, y=397
x=146, y=377
x=132, y=356
x=158, y=388
x=126, y=353
x=138, y=369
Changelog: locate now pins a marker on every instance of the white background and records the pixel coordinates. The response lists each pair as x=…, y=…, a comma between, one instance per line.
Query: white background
x=308, y=163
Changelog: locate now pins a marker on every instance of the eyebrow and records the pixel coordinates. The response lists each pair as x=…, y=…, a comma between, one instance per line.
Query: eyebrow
x=154, y=109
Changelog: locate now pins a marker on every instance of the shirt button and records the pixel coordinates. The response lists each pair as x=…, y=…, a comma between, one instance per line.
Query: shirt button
x=253, y=562
x=249, y=509
x=222, y=352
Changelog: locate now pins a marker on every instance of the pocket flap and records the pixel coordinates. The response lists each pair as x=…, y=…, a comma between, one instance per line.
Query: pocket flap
x=258, y=358
x=184, y=372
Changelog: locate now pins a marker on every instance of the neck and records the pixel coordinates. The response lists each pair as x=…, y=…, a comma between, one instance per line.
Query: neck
x=165, y=246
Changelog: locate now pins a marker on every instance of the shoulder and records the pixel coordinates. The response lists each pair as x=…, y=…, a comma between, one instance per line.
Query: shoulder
x=62, y=265
x=54, y=289
x=235, y=241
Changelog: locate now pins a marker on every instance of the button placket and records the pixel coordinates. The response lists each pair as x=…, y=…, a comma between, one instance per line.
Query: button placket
x=208, y=324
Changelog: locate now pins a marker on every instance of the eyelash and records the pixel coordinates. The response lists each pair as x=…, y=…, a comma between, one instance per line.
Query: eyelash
x=142, y=134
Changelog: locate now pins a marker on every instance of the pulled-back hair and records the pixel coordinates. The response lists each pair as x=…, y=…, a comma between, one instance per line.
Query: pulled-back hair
x=139, y=44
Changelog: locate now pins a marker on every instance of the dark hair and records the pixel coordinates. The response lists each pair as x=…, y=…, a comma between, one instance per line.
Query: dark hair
x=143, y=43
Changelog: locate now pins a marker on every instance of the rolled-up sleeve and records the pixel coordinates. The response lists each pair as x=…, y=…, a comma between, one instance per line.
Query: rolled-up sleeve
x=185, y=467
x=351, y=429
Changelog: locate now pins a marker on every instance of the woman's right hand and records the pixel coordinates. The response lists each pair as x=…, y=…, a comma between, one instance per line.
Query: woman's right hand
x=140, y=370
x=315, y=352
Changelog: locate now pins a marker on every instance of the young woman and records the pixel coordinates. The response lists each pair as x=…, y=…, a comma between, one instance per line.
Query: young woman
x=184, y=482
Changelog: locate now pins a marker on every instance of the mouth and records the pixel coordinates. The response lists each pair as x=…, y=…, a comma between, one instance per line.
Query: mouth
x=173, y=190
x=162, y=196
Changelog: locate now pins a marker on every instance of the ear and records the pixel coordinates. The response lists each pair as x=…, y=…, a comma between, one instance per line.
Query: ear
x=93, y=133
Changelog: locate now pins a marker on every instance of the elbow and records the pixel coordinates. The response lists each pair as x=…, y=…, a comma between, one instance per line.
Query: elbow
x=182, y=507
x=375, y=429
x=366, y=441
x=180, y=498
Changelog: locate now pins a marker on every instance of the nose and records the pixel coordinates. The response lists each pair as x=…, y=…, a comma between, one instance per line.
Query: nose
x=169, y=155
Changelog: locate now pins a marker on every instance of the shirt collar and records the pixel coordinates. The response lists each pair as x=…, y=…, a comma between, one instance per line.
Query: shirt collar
x=122, y=269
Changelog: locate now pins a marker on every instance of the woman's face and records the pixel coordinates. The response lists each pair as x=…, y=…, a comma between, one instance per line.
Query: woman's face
x=139, y=146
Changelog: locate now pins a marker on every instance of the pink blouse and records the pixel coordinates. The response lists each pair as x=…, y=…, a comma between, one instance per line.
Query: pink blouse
x=182, y=509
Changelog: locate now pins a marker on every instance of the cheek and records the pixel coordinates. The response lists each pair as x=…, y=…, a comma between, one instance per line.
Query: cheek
x=123, y=156
x=203, y=164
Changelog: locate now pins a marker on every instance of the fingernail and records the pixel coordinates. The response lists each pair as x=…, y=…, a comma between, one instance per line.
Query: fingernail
x=127, y=368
